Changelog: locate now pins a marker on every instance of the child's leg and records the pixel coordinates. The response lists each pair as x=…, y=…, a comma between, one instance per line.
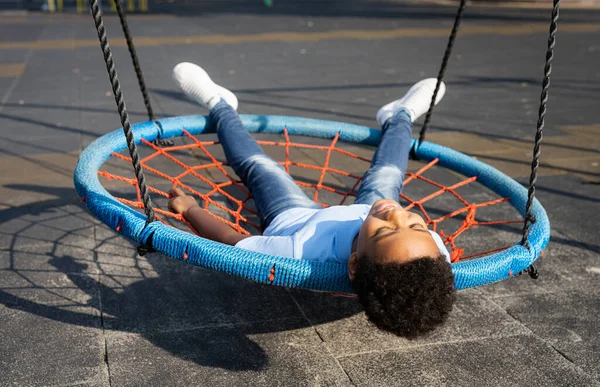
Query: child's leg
x=384, y=178
x=273, y=189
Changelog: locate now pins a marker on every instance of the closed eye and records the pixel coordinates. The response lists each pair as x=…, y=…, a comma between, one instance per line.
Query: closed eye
x=418, y=227
x=380, y=230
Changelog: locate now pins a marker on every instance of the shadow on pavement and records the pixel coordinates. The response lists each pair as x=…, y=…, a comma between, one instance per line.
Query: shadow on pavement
x=154, y=296
x=158, y=298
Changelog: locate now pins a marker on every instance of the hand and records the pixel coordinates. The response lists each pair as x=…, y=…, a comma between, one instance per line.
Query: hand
x=204, y=223
x=180, y=202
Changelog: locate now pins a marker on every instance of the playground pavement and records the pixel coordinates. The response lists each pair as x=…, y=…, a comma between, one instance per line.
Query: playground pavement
x=79, y=307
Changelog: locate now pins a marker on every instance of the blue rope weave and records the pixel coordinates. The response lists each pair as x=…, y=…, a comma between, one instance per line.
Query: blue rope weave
x=292, y=272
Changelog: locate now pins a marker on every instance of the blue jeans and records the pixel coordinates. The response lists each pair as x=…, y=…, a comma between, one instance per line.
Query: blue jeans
x=275, y=191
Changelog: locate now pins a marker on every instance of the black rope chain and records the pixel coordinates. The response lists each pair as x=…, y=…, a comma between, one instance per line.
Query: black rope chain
x=122, y=109
x=442, y=71
x=535, y=162
x=134, y=59
x=138, y=70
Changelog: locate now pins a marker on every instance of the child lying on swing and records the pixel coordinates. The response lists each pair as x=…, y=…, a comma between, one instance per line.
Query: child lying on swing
x=399, y=269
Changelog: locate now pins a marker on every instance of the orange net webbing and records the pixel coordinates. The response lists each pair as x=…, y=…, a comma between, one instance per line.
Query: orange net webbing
x=206, y=177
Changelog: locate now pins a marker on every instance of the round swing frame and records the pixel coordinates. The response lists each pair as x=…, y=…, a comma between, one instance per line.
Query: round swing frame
x=288, y=272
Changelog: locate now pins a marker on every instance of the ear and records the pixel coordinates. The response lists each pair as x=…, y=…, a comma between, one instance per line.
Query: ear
x=352, y=264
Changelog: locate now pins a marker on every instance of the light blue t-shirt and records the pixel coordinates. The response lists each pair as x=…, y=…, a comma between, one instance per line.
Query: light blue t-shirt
x=311, y=234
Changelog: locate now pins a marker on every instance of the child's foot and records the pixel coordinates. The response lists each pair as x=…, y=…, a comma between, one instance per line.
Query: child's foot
x=197, y=85
x=415, y=102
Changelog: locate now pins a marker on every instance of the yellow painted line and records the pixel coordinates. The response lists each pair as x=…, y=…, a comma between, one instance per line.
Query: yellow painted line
x=289, y=37
x=12, y=70
x=491, y=152
x=14, y=20
x=45, y=166
x=576, y=158
x=593, y=129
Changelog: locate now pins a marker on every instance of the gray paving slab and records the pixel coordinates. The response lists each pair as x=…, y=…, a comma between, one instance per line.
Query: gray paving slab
x=23, y=31
x=246, y=354
x=579, y=222
x=566, y=265
x=53, y=352
x=59, y=239
x=78, y=285
x=346, y=331
x=180, y=296
x=52, y=328
x=41, y=127
x=522, y=360
x=13, y=57
x=156, y=294
x=59, y=288
x=51, y=332
x=5, y=84
x=365, y=84
x=567, y=320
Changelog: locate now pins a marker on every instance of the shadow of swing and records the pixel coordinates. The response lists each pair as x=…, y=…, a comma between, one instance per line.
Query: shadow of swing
x=206, y=317
x=195, y=314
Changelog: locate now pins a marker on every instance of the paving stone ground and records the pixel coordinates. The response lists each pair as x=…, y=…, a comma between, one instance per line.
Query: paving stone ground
x=78, y=306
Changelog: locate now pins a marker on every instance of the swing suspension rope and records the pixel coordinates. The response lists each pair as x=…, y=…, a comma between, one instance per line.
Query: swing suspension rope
x=531, y=270
x=440, y=77
x=134, y=59
x=140, y=180
x=122, y=110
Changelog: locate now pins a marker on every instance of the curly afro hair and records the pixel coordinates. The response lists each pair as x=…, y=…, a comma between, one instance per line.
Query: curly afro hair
x=408, y=299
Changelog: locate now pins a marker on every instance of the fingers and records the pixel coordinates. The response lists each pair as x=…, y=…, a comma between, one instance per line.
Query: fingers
x=179, y=201
x=174, y=192
x=172, y=207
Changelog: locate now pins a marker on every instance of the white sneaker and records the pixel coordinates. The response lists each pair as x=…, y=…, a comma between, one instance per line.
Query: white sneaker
x=416, y=101
x=197, y=85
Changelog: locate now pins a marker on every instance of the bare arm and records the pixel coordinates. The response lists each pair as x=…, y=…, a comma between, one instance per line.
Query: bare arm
x=206, y=225
x=210, y=228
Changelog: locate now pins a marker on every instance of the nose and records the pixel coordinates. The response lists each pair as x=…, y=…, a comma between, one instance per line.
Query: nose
x=399, y=216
